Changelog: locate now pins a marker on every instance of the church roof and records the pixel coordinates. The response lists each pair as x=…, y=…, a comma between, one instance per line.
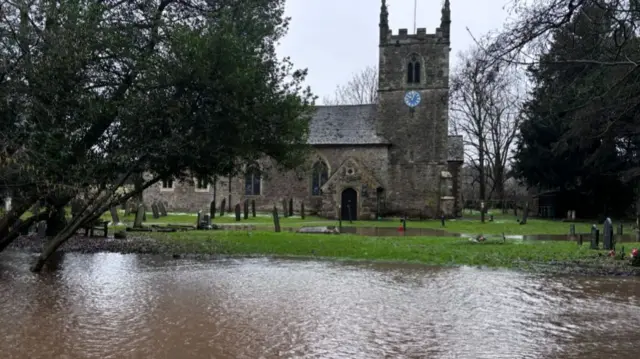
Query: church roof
x=355, y=125
x=344, y=125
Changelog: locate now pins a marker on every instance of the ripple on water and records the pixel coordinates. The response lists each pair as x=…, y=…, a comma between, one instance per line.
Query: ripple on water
x=115, y=306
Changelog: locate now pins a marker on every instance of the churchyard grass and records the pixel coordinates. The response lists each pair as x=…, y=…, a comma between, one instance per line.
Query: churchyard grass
x=427, y=250
x=502, y=223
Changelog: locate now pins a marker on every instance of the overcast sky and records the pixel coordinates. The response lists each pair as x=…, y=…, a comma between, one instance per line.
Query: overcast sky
x=336, y=38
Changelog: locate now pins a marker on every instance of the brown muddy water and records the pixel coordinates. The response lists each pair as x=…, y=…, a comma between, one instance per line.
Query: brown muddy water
x=130, y=306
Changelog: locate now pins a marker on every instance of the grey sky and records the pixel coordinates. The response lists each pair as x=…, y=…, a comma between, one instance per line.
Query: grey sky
x=336, y=38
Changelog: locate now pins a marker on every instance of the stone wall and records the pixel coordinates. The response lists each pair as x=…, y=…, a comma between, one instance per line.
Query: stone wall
x=419, y=136
x=184, y=197
x=278, y=185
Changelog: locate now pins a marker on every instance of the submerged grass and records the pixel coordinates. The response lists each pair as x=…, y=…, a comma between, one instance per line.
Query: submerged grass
x=428, y=250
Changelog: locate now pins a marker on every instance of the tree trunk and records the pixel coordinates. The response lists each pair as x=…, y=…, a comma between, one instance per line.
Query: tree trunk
x=15, y=233
x=11, y=217
x=56, y=221
x=481, y=172
x=55, y=244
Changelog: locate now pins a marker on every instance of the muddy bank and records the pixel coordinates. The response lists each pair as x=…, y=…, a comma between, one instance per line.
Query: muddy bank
x=139, y=244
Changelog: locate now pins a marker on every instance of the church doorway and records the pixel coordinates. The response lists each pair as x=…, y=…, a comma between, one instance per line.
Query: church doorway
x=349, y=204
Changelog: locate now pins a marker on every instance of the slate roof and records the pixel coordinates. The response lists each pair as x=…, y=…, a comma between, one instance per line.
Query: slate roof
x=344, y=125
x=355, y=125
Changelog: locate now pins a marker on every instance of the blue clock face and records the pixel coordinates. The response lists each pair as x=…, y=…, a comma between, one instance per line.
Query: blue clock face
x=412, y=98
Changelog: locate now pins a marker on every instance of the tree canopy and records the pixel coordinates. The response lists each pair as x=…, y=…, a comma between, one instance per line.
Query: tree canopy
x=580, y=126
x=95, y=93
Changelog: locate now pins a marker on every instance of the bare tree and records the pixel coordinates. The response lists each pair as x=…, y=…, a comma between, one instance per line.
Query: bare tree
x=361, y=89
x=484, y=105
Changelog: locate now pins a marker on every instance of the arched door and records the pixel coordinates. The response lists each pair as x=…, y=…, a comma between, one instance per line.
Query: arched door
x=349, y=204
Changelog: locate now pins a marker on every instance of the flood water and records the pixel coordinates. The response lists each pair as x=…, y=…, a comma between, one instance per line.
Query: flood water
x=128, y=306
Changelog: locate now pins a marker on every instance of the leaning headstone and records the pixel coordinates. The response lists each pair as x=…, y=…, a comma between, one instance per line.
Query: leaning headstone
x=595, y=237
x=156, y=212
x=222, y=207
x=290, y=207
x=525, y=214
x=284, y=207
x=246, y=209
x=607, y=234
x=126, y=207
x=276, y=220
x=137, y=223
x=42, y=229
x=212, y=209
x=114, y=215
x=253, y=208
x=302, y=210
x=163, y=209
x=238, y=211
x=199, y=220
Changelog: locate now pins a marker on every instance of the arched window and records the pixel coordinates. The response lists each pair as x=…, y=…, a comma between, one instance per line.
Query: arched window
x=320, y=177
x=252, y=181
x=413, y=70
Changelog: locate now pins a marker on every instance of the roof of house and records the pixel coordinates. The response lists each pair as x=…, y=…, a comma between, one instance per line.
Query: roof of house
x=344, y=125
x=355, y=125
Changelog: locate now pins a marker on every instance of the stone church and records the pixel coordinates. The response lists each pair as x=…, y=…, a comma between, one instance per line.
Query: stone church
x=394, y=157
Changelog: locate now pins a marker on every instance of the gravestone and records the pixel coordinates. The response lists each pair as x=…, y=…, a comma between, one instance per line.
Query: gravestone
x=238, y=212
x=206, y=221
x=525, y=214
x=212, y=209
x=199, y=220
x=246, y=209
x=290, y=207
x=42, y=229
x=595, y=237
x=607, y=235
x=253, y=208
x=276, y=220
x=229, y=209
x=302, y=210
x=155, y=211
x=163, y=209
x=482, y=212
x=114, y=215
x=222, y=207
x=284, y=208
x=137, y=223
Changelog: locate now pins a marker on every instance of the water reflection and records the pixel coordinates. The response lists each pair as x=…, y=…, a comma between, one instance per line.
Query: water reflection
x=119, y=306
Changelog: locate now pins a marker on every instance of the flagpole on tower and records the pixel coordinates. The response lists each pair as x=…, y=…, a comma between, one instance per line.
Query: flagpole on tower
x=415, y=7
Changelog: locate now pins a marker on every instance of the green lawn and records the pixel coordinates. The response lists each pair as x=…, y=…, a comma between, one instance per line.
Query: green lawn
x=501, y=224
x=428, y=250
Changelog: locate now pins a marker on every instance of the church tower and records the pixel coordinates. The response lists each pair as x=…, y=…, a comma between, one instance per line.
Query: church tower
x=413, y=115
